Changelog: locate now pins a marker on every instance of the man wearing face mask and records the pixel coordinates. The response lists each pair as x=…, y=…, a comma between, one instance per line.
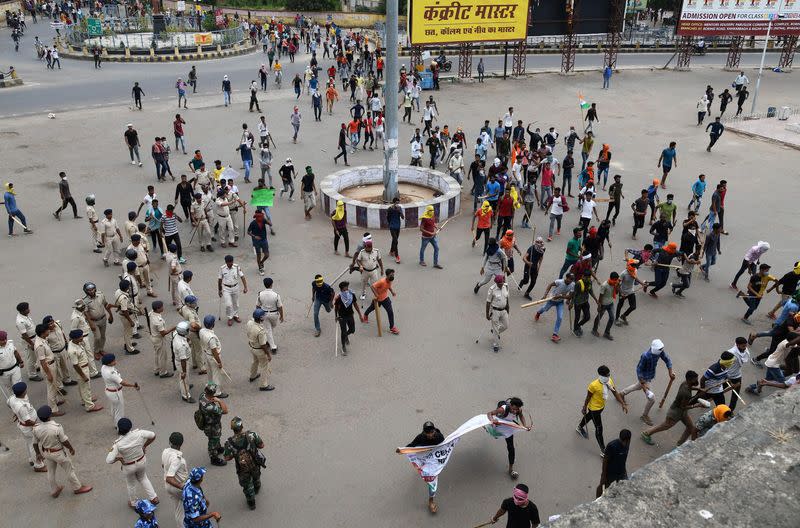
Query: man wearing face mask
x=668, y=208
x=597, y=394
x=646, y=373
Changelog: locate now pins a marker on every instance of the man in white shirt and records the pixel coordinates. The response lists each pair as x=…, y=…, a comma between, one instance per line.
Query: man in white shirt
x=740, y=81
x=175, y=475
x=270, y=302
x=416, y=152
x=228, y=285
x=130, y=449
x=114, y=383
x=508, y=120
x=428, y=115
x=26, y=418
x=741, y=356
x=588, y=208
x=27, y=331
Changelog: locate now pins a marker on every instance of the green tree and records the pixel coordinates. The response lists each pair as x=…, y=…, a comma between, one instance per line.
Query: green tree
x=313, y=5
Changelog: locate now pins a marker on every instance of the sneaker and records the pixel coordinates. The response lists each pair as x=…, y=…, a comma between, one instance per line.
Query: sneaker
x=182, y=260
x=646, y=419
x=394, y=330
x=555, y=338
x=582, y=432
x=595, y=332
x=495, y=348
x=133, y=162
x=536, y=316
x=364, y=319
x=757, y=363
x=750, y=390
x=437, y=266
x=422, y=263
x=363, y=296
x=397, y=259
x=317, y=333
x=608, y=336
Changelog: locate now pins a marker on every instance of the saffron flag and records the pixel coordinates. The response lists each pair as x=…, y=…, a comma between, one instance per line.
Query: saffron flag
x=584, y=105
x=429, y=461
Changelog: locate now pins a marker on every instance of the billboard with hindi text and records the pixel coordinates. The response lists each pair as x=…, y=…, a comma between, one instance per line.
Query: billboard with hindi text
x=454, y=21
x=739, y=17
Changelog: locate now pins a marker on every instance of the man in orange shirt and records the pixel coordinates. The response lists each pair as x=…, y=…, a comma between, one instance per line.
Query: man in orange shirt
x=381, y=290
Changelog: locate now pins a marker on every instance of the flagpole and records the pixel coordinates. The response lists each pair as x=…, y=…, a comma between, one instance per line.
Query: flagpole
x=583, y=118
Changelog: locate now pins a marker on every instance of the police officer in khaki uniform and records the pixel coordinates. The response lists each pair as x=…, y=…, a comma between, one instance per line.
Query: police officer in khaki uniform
x=228, y=285
x=57, y=339
x=94, y=219
x=98, y=310
x=47, y=360
x=212, y=349
x=199, y=217
x=184, y=288
x=175, y=274
x=131, y=275
x=127, y=313
x=78, y=320
x=26, y=418
x=189, y=313
x=158, y=336
x=224, y=217
x=79, y=358
x=27, y=331
x=497, y=308
x=175, y=475
x=110, y=237
x=270, y=302
x=369, y=261
x=114, y=383
x=257, y=340
x=142, y=263
x=130, y=226
x=182, y=351
x=130, y=449
x=51, y=445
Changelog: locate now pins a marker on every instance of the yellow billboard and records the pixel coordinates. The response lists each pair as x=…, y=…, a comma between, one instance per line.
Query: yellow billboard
x=452, y=21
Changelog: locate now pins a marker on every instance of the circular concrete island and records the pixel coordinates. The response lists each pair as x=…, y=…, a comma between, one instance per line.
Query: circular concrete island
x=361, y=190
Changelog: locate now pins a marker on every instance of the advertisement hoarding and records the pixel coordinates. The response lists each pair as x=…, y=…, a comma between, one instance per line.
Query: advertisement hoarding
x=739, y=17
x=453, y=21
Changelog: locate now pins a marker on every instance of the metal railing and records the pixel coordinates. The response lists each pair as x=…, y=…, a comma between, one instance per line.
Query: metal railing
x=794, y=110
x=144, y=39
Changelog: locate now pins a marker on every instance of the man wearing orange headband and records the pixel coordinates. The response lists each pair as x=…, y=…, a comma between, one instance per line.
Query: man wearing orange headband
x=627, y=284
x=663, y=261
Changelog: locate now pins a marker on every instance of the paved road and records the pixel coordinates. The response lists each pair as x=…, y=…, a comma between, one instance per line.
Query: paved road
x=79, y=85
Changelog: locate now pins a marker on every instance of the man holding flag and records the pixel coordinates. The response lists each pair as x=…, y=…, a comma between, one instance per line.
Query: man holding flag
x=430, y=436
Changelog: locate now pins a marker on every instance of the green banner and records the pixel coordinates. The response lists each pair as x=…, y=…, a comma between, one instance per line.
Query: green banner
x=262, y=197
x=95, y=28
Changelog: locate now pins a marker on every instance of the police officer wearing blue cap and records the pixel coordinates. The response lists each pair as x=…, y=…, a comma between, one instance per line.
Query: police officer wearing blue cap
x=195, y=505
x=26, y=418
x=189, y=312
x=212, y=350
x=79, y=358
x=259, y=348
x=147, y=515
x=51, y=445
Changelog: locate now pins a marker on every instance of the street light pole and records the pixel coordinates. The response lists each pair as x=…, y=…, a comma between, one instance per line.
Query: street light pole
x=764, y=56
x=391, y=82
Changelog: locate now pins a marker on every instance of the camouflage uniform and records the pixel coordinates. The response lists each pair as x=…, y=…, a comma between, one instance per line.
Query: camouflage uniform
x=212, y=412
x=243, y=448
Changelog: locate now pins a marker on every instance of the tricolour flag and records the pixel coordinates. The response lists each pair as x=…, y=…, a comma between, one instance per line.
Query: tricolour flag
x=584, y=105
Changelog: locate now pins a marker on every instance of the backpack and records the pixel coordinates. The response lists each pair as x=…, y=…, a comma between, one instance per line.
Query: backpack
x=200, y=419
x=504, y=404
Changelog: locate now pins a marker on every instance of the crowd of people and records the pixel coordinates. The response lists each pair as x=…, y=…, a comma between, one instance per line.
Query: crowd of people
x=530, y=173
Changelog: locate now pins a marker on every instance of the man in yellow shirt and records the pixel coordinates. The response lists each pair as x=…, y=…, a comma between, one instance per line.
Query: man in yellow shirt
x=217, y=170
x=596, y=397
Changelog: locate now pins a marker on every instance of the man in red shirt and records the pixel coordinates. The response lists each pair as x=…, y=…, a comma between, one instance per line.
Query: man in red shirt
x=380, y=291
x=177, y=126
x=427, y=228
x=505, y=212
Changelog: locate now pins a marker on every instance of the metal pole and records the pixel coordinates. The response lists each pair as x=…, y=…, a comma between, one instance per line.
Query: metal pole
x=764, y=56
x=505, y=60
x=391, y=82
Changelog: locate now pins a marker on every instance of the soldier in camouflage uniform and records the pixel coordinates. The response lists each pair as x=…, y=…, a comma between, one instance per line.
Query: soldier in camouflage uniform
x=212, y=409
x=243, y=447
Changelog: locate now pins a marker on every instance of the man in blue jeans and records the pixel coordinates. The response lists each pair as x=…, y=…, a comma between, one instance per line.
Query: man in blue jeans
x=427, y=228
x=563, y=289
x=10, y=201
x=711, y=248
x=321, y=296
